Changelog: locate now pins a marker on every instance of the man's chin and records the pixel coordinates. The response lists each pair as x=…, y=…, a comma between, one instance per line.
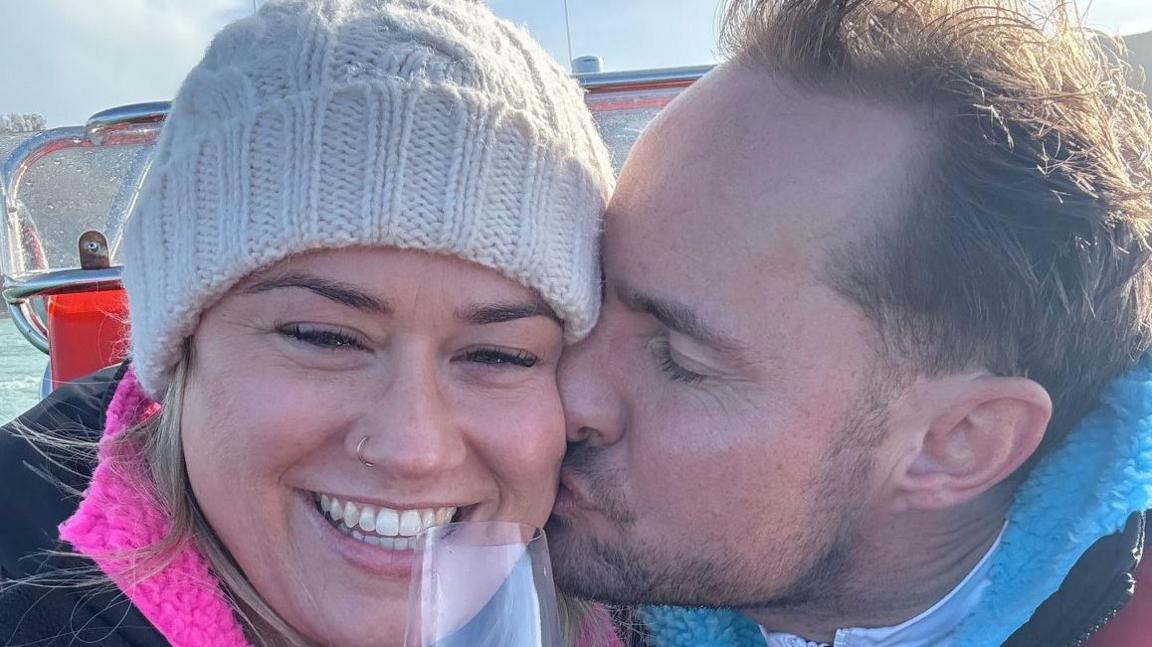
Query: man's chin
x=578, y=562
x=567, y=542
x=628, y=572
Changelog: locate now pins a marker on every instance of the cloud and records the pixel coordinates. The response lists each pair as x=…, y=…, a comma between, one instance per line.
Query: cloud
x=68, y=59
x=1120, y=16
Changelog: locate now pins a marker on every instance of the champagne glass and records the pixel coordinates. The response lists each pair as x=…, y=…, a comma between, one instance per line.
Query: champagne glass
x=482, y=584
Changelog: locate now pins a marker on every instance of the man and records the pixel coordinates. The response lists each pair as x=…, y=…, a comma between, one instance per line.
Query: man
x=864, y=283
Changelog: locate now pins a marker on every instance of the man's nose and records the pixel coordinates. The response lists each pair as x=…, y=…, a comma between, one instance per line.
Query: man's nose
x=414, y=432
x=594, y=407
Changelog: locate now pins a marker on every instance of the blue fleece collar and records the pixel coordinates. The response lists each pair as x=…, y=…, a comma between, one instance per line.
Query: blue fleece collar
x=1084, y=490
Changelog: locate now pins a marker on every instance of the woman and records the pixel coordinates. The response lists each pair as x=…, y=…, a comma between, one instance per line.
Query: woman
x=368, y=230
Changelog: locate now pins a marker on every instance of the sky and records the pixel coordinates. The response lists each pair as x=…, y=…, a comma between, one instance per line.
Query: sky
x=68, y=59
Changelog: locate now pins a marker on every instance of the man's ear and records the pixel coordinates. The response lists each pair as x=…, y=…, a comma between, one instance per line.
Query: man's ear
x=976, y=431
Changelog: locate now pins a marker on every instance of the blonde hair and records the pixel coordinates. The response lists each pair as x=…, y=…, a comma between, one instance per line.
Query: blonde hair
x=158, y=437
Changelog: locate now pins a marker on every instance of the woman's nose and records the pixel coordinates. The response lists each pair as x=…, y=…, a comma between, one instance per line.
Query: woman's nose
x=413, y=432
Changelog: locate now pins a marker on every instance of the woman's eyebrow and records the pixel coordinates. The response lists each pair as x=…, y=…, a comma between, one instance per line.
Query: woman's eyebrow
x=342, y=293
x=488, y=313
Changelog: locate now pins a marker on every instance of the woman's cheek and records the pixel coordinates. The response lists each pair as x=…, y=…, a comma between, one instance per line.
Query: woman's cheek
x=526, y=440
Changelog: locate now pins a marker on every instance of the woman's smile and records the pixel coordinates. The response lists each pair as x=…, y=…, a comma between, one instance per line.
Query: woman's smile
x=375, y=539
x=388, y=528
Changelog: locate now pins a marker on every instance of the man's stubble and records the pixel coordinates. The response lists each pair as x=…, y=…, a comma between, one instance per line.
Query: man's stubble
x=636, y=570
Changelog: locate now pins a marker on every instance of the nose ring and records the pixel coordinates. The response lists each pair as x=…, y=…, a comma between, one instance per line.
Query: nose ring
x=359, y=446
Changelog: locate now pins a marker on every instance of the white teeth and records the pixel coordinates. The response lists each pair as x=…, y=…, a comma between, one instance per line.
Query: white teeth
x=368, y=539
x=367, y=519
x=384, y=527
x=409, y=522
x=387, y=522
x=336, y=511
x=398, y=543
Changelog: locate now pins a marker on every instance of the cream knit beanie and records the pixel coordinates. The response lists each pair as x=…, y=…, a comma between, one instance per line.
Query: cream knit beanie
x=417, y=124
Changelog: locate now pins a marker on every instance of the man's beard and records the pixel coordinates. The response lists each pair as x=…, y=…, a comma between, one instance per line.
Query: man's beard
x=634, y=570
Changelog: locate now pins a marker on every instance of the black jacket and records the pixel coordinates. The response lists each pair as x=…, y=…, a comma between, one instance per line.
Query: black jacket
x=36, y=495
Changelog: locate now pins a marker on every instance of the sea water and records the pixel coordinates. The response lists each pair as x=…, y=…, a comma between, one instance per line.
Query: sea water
x=21, y=370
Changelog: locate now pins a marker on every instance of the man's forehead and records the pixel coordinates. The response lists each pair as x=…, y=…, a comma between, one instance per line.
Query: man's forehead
x=745, y=149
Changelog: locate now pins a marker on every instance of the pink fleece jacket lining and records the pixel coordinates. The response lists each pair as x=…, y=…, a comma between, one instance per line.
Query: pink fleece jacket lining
x=120, y=513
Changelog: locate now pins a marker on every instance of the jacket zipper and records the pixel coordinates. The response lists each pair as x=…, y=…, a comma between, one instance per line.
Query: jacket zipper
x=1099, y=624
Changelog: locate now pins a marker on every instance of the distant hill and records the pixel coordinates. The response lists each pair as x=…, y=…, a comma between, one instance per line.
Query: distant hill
x=1140, y=54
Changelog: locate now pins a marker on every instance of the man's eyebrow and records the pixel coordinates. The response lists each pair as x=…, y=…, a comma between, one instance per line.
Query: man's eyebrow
x=681, y=318
x=488, y=313
x=341, y=293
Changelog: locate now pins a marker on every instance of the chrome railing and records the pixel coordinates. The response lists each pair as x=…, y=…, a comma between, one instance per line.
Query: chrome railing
x=599, y=82
x=132, y=125
x=18, y=293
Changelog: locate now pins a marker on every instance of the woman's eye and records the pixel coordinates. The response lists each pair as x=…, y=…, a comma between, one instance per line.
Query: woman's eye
x=496, y=357
x=321, y=337
x=669, y=366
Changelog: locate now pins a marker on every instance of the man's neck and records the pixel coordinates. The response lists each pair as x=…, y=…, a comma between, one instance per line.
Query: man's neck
x=907, y=567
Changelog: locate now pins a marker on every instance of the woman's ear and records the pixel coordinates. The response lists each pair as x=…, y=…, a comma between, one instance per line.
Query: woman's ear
x=977, y=431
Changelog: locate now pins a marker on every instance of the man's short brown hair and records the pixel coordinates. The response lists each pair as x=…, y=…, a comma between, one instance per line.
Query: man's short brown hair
x=1025, y=249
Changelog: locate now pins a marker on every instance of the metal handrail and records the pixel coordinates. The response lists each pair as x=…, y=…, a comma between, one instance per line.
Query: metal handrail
x=136, y=123
x=670, y=77
x=32, y=150
x=130, y=125
x=58, y=282
x=18, y=292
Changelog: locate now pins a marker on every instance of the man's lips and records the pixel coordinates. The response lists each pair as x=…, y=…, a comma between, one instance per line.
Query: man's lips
x=571, y=495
